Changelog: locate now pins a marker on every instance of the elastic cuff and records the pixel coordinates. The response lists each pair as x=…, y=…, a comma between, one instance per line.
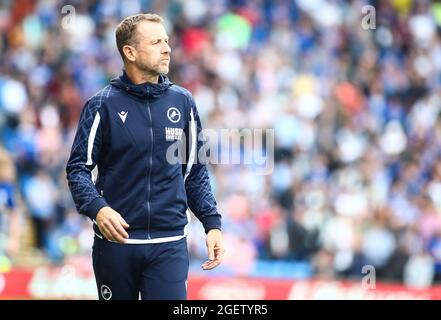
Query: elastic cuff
x=94, y=207
x=212, y=222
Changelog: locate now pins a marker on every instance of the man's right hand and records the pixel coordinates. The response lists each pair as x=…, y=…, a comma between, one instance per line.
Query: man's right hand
x=112, y=225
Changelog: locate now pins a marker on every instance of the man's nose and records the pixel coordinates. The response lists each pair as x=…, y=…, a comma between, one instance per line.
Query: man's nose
x=166, y=48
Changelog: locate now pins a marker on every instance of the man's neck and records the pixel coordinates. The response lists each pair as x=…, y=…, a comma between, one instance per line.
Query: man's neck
x=138, y=77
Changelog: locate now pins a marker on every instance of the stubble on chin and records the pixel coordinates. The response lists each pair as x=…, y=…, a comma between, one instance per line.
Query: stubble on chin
x=163, y=68
x=155, y=70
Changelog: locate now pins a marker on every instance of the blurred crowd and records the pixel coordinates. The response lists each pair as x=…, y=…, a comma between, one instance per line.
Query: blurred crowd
x=354, y=104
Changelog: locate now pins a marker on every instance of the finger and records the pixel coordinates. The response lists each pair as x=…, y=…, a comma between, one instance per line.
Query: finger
x=107, y=235
x=219, y=254
x=211, y=263
x=123, y=222
x=118, y=237
x=208, y=265
x=115, y=235
x=104, y=231
x=119, y=229
x=110, y=233
x=210, y=247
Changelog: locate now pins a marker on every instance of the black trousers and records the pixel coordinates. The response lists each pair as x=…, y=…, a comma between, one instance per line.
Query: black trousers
x=157, y=271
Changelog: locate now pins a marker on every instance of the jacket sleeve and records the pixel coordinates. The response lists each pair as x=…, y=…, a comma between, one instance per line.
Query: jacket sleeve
x=197, y=182
x=83, y=158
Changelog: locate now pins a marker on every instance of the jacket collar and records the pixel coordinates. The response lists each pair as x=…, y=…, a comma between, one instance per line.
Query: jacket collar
x=144, y=90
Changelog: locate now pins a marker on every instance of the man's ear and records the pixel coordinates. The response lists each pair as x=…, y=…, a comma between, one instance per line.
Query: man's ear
x=130, y=53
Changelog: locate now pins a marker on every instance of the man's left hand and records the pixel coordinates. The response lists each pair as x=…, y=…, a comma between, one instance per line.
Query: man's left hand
x=215, y=249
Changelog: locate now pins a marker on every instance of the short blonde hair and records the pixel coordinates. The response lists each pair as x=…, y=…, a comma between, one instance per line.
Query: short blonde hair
x=126, y=30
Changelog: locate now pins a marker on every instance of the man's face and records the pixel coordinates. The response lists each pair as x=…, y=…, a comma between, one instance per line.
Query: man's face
x=152, y=50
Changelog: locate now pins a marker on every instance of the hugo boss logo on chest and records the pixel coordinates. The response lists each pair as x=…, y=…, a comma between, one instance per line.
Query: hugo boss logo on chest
x=173, y=133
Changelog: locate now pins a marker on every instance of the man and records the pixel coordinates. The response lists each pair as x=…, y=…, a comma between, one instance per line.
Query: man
x=139, y=201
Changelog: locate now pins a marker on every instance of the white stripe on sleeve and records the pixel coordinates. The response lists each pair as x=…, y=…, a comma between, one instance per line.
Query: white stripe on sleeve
x=91, y=140
x=193, y=140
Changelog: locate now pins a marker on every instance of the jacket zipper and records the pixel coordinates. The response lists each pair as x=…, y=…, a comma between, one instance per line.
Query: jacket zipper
x=150, y=164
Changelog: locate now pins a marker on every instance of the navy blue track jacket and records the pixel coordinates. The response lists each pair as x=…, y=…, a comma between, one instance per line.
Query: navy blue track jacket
x=125, y=130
